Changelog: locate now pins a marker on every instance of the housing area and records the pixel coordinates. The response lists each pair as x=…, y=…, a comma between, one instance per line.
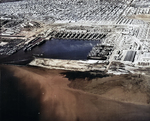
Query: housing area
x=121, y=29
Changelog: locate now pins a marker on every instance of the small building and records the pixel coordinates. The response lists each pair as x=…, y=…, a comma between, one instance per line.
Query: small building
x=130, y=55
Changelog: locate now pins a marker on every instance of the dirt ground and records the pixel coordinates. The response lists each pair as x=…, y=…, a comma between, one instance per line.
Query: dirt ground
x=144, y=17
x=37, y=94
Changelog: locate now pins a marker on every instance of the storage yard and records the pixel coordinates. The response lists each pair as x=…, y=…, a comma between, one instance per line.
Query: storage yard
x=120, y=28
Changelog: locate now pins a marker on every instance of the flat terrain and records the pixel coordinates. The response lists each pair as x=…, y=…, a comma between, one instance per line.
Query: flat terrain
x=37, y=94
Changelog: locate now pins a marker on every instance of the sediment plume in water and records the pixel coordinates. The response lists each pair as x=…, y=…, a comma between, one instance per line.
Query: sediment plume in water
x=36, y=94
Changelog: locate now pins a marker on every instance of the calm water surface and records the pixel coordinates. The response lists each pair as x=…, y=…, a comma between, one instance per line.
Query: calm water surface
x=65, y=49
x=55, y=49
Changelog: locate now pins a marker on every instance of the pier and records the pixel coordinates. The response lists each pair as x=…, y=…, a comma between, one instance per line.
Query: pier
x=76, y=35
x=33, y=43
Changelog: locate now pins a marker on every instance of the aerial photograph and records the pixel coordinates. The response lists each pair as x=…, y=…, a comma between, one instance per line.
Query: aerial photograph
x=74, y=60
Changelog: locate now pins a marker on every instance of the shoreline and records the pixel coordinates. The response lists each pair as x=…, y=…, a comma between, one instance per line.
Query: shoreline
x=49, y=95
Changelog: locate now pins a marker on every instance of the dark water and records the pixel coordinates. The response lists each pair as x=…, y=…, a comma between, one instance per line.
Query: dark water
x=4, y=1
x=54, y=49
x=15, y=103
x=65, y=49
x=89, y=75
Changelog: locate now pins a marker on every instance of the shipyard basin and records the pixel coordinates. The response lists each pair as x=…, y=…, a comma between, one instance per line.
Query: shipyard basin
x=69, y=49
